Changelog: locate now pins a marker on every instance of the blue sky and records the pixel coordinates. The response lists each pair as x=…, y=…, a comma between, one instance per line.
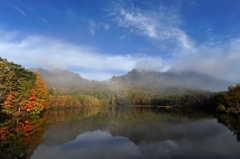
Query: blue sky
x=99, y=39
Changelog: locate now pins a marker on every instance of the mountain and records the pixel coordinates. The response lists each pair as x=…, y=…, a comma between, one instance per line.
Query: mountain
x=148, y=80
x=63, y=79
x=170, y=80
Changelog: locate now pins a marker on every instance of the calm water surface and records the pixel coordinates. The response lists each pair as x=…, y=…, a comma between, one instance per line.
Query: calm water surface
x=122, y=132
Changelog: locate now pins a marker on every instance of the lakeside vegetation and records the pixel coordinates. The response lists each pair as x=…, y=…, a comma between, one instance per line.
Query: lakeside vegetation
x=23, y=92
x=125, y=96
x=229, y=101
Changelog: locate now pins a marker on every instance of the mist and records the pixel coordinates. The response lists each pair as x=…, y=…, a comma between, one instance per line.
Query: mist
x=225, y=67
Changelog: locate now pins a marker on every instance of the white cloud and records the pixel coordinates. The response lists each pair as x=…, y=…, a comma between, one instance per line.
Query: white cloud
x=221, y=62
x=145, y=24
x=39, y=51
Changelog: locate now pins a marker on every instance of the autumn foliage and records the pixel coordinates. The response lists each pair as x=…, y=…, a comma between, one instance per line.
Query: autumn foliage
x=21, y=90
x=64, y=101
x=37, y=99
x=230, y=100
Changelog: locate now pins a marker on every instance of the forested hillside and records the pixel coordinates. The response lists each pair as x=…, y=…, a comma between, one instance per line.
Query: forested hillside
x=135, y=88
x=21, y=90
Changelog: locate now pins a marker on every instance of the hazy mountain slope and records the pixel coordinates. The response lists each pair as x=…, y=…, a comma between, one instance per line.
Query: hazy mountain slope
x=205, y=82
x=167, y=80
x=63, y=79
x=142, y=79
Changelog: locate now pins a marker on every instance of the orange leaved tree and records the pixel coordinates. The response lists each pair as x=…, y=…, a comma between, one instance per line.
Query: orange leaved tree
x=38, y=98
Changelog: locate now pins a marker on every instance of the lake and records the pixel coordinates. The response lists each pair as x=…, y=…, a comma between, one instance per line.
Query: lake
x=121, y=133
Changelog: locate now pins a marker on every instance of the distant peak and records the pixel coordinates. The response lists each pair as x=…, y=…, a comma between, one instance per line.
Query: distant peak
x=134, y=70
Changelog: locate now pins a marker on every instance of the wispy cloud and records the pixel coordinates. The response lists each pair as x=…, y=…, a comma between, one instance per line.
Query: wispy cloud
x=142, y=24
x=93, y=26
x=43, y=20
x=5, y=37
x=19, y=10
x=161, y=25
x=122, y=37
x=71, y=13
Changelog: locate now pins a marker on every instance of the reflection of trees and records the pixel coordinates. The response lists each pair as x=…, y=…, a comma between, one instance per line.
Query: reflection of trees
x=63, y=115
x=137, y=123
x=232, y=121
x=19, y=138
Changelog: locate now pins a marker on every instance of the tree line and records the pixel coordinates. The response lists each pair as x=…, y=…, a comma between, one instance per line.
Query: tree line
x=125, y=96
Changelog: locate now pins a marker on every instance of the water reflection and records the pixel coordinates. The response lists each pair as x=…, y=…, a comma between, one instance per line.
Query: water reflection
x=96, y=144
x=20, y=137
x=126, y=132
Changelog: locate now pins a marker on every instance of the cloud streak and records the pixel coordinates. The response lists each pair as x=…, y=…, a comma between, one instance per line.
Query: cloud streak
x=19, y=10
x=43, y=20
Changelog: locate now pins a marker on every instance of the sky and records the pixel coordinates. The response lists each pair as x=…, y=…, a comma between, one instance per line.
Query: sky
x=102, y=38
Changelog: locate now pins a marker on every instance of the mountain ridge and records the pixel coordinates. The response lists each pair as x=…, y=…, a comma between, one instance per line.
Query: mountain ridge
x=63, y=79
x=67, y=80
x=186, y=79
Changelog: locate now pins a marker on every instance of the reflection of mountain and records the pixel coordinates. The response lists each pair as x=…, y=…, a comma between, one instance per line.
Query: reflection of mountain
x=146, y=132
x=124, y=132
x=138, y=124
